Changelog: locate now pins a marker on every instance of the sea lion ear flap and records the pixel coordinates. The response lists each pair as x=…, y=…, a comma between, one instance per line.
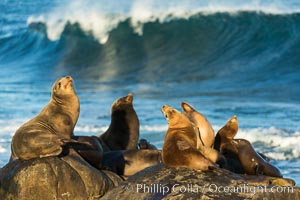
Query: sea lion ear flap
x=186, y=107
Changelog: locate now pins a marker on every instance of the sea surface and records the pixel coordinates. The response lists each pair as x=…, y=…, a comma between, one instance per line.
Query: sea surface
x=224, y=57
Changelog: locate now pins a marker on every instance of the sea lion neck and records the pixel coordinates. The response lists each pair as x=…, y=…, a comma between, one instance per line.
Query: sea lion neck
x=69, y=103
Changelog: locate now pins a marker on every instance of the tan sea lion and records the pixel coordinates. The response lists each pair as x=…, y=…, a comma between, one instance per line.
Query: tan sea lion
x=52, y=128
x=123, y=131
x=207, y=134
x=144, y=144
x=129, y=162
x=180, y=143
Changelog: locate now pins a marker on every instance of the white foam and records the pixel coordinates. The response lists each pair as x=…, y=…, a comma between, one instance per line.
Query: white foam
x=2, y=150
x=10, y=127
x=100, y=17
x=90, y=129
x=283, y=145
x=276, y=143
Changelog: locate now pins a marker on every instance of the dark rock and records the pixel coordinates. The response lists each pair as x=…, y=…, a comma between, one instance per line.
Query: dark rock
x=68, y=177
x=160, y=182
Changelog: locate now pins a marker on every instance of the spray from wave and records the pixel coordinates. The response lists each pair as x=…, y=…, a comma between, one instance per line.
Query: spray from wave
x=101, y=17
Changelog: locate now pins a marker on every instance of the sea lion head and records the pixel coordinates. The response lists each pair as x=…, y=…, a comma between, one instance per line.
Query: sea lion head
x=63, y=88
x=188, y=111
x=186, y=107
x=230, y=129
x=123, y=103
x=143, y=144
x=175, y=118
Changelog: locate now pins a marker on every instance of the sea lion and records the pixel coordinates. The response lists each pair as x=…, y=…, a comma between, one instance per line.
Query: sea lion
x=92, y=151
x=226, y=133
x=180, y=143
x=223, y=144
x=240, y=154
x=52, y=128
x=207, y=134
x=123, y=131
x=252, y=162
x=144, y=144
x=129, y=162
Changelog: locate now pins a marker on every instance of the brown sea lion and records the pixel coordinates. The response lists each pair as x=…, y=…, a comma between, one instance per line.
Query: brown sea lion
x=207, y=134
x=129, y=162
x=123, y=131
x=223, y=144
x=144, y=144
x=240, y=154
x=180, y=143
x=252, y=162
x=52, y=128
x=92, y=151
x=226, y=133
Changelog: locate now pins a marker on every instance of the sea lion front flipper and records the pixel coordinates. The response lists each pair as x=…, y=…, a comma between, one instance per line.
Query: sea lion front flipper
x=258, y=169
x=182, y=145
x=35, y=144
x=78, y=144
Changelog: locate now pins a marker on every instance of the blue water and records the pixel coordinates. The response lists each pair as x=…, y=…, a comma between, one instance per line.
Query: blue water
x=224, y=58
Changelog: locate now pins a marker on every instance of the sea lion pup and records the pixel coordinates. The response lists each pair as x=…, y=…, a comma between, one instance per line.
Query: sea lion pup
x=52, y=128
x=123, y=131
x=207, y=134
x=129, y=162
x=180, y=144
x=145, y=144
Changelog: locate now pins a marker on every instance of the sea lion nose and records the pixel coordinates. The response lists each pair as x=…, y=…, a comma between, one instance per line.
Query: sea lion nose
x=129, y=97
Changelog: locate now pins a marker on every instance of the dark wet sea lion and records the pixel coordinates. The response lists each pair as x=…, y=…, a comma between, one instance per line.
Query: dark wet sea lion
x=252, y=162
x=52, y=128
x=92, y=151
x=123, y=131
x=240, y=154
x=180, y=143
x=129, y=162
x=207, y=134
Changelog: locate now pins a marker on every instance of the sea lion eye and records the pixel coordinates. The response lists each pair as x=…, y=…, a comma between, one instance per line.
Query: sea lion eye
x=59, y=84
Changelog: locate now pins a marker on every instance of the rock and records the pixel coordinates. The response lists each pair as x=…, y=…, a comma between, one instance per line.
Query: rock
x=67, y=177
x=160, y=182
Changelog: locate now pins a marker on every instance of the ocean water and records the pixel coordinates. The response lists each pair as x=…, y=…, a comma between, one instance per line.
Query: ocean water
x=225, y=58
